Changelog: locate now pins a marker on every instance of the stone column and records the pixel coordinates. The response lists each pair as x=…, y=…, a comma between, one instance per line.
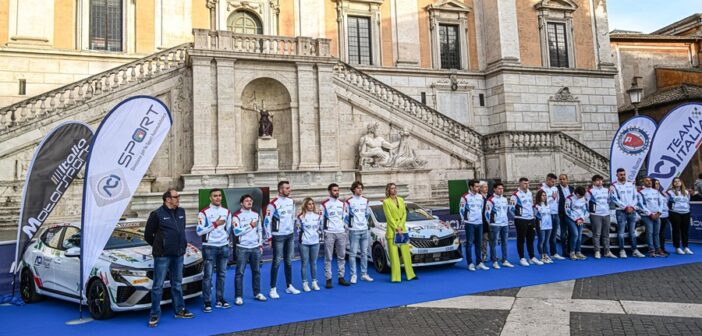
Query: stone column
x=228, y=146
x=502, y=33
x=329, y=131
x=308, y=107
x=203, y=101
x=601, y=30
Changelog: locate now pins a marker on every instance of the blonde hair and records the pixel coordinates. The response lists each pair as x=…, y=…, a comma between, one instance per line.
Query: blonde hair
x=682, y=187
x=387, y=188
x=303, y=208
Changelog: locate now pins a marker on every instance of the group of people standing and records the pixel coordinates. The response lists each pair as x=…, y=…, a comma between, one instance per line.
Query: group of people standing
x=558, y=206
x=336, y=222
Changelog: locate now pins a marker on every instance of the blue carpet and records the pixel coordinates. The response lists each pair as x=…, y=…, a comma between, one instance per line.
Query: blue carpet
x=435, y=283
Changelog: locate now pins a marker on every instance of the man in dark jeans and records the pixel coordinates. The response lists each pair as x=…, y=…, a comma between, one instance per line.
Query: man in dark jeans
x=564, y=190
x=165, y=232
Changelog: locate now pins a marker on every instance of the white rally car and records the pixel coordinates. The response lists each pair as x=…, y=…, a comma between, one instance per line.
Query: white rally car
x=120, y=280
x=432, y=242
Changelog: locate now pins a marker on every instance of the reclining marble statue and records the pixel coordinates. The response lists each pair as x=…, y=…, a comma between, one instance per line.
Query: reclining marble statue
x=376, y=152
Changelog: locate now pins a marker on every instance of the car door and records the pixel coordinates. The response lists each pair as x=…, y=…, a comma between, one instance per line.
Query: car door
x=67, y=269
x=43, y=263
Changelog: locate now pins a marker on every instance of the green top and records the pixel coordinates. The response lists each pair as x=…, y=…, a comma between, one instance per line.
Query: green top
x=396, y=216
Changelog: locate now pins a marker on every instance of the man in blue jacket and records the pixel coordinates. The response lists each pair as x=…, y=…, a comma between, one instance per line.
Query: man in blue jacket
x=165, y=232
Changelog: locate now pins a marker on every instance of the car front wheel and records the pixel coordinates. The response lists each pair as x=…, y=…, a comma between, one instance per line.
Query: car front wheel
x=28, y=289
x=99, y=301
x=379, y=260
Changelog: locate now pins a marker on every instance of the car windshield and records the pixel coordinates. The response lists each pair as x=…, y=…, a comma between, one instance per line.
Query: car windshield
x=126, y=236
x=414, y=213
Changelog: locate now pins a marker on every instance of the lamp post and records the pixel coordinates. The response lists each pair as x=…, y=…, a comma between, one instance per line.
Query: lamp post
x=635, y=93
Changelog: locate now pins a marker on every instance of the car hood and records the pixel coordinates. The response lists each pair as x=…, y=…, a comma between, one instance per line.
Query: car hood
x=140, y=256
x=428, y=228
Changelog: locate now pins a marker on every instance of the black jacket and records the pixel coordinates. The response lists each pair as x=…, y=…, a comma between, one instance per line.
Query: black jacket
x=165, y=232
x=562, y=200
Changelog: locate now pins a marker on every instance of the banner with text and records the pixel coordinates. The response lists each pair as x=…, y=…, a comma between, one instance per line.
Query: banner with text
x=123, y=147
x=55, y=164
x=630, y=146
x=677, y=139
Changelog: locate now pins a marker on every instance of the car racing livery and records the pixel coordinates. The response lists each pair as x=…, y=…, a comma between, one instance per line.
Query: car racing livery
x=120, y=280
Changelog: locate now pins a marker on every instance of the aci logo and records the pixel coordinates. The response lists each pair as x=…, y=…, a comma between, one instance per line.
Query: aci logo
x=633, y=141
x=139, y=135
x=109, y=187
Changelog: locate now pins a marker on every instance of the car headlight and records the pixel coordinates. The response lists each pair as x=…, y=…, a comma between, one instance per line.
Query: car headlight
x=456, y=241
x=118, y=273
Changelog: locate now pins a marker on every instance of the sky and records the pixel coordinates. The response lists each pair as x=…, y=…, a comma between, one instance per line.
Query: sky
x=649, y=15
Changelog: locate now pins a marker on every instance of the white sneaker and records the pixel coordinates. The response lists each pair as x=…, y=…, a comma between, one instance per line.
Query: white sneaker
x=471, y=267
x=260, y=297
x=557, y=257
x=353, y=280
x=292, y=290
x=548, y=260
x=496, y=265
x=506, y=263
x=638, y=254
x=622, y=254
x=305, y=287
x=239, y=301
x=315, y=286
x=679, y=251
x=598, y=255
x=366, y=278
x=523, y=262
x=536, y=261
x=483, y=267
x=610, y=255
x=688, y=251
x=274, y=294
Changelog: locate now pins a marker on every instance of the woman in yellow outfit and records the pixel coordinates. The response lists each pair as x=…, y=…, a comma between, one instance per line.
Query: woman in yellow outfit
x=396, y=216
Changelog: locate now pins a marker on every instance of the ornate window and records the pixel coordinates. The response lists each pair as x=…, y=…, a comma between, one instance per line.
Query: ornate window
x=243, y=22
x=359, y=37
x=106, y=22
x=359, y=31
x=556, y=32
x=449, y=44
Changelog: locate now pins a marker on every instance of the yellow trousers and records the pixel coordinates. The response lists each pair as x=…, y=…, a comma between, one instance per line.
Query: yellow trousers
x=396, y=275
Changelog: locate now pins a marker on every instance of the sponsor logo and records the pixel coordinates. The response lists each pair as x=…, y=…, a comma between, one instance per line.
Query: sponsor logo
x=435, y=240
x=62, y=177
x=131, y=155
x=633, y=141
x=109, y=187
x=38, y=261
x=677, y=153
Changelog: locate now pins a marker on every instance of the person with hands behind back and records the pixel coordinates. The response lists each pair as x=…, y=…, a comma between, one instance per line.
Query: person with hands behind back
x=396, y=217
x=246, y=223
x=309, y=225
x=576, y=210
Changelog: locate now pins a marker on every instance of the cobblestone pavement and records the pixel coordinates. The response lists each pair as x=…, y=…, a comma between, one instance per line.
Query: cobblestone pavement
x=668, y=284
x=588, y=324
x=664, y=301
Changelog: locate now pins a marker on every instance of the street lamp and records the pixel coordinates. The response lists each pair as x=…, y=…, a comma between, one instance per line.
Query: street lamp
x=635, y=93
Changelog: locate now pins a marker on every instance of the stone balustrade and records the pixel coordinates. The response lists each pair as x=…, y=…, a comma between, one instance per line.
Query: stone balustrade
x=261, y=44
x=411, y=107
x=554, y=140
x=57, y=100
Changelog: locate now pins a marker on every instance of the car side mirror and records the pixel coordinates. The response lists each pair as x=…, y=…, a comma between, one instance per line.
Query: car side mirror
x=73, y=252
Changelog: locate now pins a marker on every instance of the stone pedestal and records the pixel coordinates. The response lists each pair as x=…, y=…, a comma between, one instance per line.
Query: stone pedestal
x=266, y=154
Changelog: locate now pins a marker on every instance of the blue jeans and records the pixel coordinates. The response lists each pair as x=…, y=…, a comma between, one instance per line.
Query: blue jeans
x=653, y=228
x=167, y=265
x=216, y=258
x=544, y=241
x=624, y=221
x=556, y=222
x=251, y=256
x=283, y=249
x=501, y=232
x=575, y=234
x=474, y=236
x=356, y=238
x=309, y=254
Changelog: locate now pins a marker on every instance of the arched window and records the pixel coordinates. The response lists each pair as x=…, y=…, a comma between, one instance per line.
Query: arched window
x=243, y=22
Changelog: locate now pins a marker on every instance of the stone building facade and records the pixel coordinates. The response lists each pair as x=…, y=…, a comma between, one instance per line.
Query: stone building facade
x=450, y=89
